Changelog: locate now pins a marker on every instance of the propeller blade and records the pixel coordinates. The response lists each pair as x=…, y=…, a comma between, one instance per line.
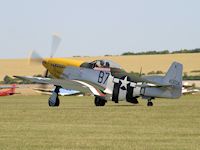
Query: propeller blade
x=35, y=58
x=55, y=44
x=140, y=72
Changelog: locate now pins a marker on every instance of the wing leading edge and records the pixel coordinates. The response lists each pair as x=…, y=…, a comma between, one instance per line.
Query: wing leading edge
x=78, y=85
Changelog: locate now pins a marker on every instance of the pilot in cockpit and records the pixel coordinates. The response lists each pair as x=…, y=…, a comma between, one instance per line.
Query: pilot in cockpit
x=102, y=64
x=97, y=64
x=107, y=65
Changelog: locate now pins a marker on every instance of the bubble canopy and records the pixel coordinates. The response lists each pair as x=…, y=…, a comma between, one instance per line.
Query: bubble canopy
x=105, y=63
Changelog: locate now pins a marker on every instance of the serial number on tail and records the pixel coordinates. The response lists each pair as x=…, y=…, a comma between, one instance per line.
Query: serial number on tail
x=174, y=82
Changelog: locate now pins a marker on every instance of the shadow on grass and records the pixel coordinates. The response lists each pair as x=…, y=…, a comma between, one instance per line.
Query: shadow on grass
x=126, y=105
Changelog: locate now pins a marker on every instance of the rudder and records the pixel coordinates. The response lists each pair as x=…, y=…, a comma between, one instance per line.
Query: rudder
x=174, y=74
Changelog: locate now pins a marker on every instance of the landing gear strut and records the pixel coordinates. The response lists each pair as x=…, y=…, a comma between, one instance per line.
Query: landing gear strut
x=99, y=101
x=54, y=99
x=150, y=103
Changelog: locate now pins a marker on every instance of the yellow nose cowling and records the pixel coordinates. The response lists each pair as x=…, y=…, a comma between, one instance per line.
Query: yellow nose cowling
x=56, y=66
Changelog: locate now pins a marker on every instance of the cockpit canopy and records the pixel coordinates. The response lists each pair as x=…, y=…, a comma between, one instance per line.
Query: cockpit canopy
x=102, y=64
x=105, y=64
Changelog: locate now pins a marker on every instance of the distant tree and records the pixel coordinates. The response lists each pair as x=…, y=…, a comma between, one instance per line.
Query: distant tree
x=136, y=73
x=107, y=55
x=155, y=72
x=77, y=56
x=128, y=53
x=9, y=80
x=151, y=72
x=193, y=85
x=197, y=50
x=185, y=74
x=38, y=75
x=159, y=72
x=195, y=71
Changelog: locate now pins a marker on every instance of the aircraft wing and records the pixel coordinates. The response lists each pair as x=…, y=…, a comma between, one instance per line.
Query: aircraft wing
x=8, y=87
x=5, y=87
x=77, y=85
x=62, y=92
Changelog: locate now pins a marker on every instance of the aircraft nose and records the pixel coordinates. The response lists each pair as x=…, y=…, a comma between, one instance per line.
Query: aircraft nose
x=45, y=63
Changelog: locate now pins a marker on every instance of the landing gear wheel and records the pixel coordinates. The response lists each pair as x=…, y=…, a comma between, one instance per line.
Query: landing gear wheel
x=54, y=104
x=99, y=102
x=150, y=103
x=57, y=102
x=54, y=101
x=136, y=102
x=51, y=104
x=132, y=100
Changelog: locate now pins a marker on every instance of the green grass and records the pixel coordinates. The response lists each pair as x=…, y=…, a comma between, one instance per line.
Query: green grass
x=26, y=123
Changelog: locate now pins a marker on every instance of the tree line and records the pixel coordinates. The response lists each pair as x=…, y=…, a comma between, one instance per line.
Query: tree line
x=197, y=50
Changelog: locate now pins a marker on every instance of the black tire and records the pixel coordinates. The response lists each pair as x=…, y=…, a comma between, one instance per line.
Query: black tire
x=102, y=102
x=135, y=101
x=52, y=104
x=132, y=100
x=150, y=104
x=99, y=102
x=57, y=101
x=96, y=101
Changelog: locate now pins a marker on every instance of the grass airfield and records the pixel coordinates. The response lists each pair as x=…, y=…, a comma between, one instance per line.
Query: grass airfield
x=27, y=123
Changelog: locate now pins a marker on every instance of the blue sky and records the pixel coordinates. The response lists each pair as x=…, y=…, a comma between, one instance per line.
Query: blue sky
x=97, y=27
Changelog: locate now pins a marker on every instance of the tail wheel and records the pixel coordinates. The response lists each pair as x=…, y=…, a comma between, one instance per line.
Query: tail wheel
x=150, y=104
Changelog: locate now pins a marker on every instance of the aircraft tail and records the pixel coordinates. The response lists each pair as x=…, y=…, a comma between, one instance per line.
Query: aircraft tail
x=174, y=75
x=169, y=86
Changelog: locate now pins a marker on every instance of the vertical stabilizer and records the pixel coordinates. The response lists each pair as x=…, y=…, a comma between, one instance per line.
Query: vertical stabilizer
x=174, y=74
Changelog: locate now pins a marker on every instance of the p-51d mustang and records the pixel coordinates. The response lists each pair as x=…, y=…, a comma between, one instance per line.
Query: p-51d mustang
x=108, y=81
x=105, y=79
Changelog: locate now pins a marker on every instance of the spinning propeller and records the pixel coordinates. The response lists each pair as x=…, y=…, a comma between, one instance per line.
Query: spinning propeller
x=140, y=74
x=36, y=58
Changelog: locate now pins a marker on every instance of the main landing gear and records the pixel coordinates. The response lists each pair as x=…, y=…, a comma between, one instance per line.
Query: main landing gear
x=99, y=101
x=54, y=99
x=132, y=100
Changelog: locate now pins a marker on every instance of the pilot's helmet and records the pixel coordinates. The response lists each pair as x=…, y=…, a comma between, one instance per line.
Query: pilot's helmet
x=101, y=62
x=107, y=65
